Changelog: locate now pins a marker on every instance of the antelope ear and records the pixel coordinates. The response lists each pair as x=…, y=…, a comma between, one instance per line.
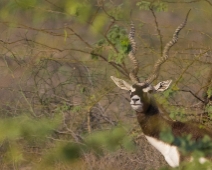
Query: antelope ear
x=163, y=85
x=121, y=83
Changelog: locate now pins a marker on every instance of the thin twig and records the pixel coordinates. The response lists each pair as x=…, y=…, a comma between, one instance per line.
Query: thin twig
x=86, y=43
x=158, y=30
x=189, y=91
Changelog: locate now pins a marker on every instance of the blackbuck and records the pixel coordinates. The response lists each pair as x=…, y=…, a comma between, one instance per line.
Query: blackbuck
x=151, y=117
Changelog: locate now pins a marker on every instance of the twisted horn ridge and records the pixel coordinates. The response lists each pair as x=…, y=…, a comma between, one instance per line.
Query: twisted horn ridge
x=131, y=36
x=165, y=55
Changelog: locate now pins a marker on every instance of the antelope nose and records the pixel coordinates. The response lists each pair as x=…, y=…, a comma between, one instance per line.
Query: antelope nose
x=135, y=100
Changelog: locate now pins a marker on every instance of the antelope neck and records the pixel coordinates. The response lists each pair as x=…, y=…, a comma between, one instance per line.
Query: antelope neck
x=151, y=121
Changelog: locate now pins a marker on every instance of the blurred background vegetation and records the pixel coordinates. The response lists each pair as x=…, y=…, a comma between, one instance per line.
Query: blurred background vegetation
x=60, y=110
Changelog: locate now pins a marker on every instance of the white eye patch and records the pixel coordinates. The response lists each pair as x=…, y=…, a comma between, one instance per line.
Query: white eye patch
x=149, y=89
x=132, y=89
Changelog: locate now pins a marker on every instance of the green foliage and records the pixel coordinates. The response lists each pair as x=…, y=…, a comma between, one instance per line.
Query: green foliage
x=99, y=23
x=61, y=30
x=187, y=145
x=64, y=107
x=10, y=8
x=192, y=165
x=76, y=108
x=24, y=126
x=167, y=136
x=111, y=140
x=195, y=164
x=209, y=92
x=117, y=12
x=156, y=5
x=176, y=113
x=191, y=148
x=26, y=3
x=63, y=152
x=17, y=131
x=169, y=92
x=208, y=109
x=117, y=42
x=40, y=128
x=80, y=9
x=144, y=5
x=96, y=142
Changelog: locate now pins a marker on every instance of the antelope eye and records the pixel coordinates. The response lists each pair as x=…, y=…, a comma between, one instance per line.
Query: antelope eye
x=130, y=93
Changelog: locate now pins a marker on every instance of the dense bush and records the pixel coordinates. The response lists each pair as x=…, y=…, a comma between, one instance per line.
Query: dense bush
x=60, y=110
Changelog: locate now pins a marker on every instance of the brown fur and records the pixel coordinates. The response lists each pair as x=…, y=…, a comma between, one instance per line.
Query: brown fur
x=153, y=122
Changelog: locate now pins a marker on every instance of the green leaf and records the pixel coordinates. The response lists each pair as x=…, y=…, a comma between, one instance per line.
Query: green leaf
x=143, y=5
x=167, y=136
x=209, y=92
x=98, y=23
x=27, y=3
x=76, y=108
x=94, y=57
x=81, y=10
x=156, y=6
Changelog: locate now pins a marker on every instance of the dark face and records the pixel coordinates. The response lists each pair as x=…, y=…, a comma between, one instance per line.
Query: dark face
x=138, y=98
x=140, y=93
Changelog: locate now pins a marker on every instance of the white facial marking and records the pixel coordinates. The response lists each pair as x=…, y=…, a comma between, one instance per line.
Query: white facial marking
x=132, y=89
x=138, y=108
x=136, y=103
x=147, y=89
x=170, y=153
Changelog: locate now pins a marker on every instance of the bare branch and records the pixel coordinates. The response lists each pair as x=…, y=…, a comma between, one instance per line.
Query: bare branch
x=189, y=91
x=158, y=30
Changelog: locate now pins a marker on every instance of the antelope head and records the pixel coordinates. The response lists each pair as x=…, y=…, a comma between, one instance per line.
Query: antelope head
x=140, y=91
